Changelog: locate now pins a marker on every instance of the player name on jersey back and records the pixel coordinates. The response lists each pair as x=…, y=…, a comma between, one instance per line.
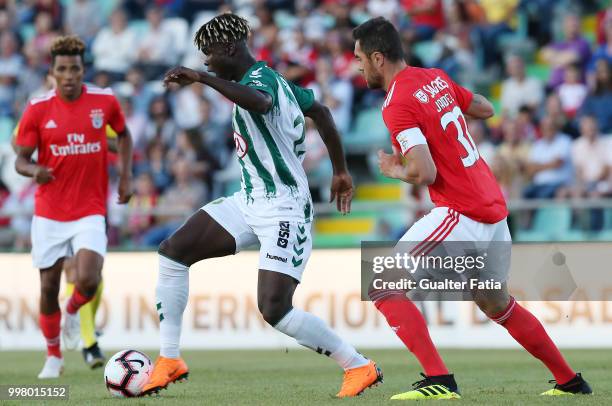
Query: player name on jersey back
x=425, y=106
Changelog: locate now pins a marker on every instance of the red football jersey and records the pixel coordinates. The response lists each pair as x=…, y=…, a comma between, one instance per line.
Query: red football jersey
x=425, y=106
x=71, y=138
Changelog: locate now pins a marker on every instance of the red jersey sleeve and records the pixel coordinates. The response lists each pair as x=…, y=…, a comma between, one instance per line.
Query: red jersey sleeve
x=403, y=124
x=116, y=118
x=26, y=132
x=464, y=96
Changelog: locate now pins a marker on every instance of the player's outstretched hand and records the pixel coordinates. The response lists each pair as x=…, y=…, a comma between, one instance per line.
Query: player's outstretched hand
x=124, y=189
x=390, y=165
x=342, y=191
x=182, y=76
x=43, y=175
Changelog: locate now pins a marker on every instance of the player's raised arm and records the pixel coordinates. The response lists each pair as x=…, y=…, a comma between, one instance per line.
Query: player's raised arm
x=244, y=96
x=342, y=183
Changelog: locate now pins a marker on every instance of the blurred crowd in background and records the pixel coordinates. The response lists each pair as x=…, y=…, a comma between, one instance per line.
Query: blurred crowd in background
x=546, y=65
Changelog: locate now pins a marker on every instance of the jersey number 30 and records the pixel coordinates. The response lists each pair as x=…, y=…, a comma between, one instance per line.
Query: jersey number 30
x=456, y=117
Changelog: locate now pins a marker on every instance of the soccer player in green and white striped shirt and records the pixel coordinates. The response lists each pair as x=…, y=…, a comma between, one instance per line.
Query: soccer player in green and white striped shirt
x=273, y=206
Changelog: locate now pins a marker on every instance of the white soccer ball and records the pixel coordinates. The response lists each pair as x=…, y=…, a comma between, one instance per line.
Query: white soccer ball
x=126, y=373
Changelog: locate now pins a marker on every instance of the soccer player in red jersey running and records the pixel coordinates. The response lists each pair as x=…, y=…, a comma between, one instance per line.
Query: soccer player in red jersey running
x=67, y=127
x=424, y=111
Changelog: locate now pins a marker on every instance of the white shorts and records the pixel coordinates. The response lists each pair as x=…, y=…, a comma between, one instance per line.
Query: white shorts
x=444, y=225
x=52, y=240
x=286, y=243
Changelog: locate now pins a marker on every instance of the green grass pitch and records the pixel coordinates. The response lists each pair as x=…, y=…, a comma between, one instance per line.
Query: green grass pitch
x=299, y=377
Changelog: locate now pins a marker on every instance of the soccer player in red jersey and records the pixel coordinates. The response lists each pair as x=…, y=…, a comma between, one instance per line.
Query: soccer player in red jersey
x=67, y=127
x=424, y=111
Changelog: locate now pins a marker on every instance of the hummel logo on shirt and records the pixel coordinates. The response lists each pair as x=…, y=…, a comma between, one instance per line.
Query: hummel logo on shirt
x=51, y=124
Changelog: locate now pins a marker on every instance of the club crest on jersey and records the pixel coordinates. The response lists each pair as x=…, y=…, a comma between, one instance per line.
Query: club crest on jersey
x=97, y=118
x=241, y=146
x=421, y=96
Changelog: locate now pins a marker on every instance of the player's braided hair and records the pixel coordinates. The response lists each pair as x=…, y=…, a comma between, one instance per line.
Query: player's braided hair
x=223, y=29
x=67, y=45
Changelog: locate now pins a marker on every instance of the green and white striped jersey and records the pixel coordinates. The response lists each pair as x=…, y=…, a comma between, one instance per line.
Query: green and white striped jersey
x=270, y=147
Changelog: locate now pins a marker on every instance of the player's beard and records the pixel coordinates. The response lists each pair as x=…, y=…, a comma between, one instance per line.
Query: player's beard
x=374, y=81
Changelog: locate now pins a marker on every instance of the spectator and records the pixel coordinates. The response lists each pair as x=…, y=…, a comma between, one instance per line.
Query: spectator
x=572, y=91
x=184, y=196
x=113, y=47
x=83, y=19
x=202, y=162
x=186, y=106
x=335, y=93
x=604, y=51
x=144, y=198
x=592, y=159
x=498, y=15
x=386, y=8
x=599, y=100
x=44, y=36
x=215, y=137
x=525, y=123
x=426, y=17
x=549, y=163
x=137, y=89
x=11, y=63
x=136, y=123
x=160, y=127
x=554, y=110
x=299, y=59
x=156, y=51
x=519, y=90
x=341, y=53
x=574, y=49
x=157, y=165
x=511, y=160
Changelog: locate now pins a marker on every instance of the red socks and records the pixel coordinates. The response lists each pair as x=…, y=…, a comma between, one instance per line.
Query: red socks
x=409, y=325
x=50, y=327
x=529, y=332
x=76, y=301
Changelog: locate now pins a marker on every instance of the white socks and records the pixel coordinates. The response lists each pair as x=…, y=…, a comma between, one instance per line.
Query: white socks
x=171, y=298
x=312, y=332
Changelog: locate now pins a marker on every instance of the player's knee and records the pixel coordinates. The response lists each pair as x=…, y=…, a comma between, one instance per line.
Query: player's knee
x=171, y=248
x=491, y=306
x=273, y=308
x=87, y=285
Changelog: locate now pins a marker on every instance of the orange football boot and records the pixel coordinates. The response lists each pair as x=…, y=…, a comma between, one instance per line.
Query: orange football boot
x=356, y=380
x=165, y=372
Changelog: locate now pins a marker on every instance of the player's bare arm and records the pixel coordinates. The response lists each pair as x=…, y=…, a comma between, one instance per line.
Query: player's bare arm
x=124, y=149
x=418, y=170
x=480, y=108
x=342, y=183
x=244, y=96
x=25, y=167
